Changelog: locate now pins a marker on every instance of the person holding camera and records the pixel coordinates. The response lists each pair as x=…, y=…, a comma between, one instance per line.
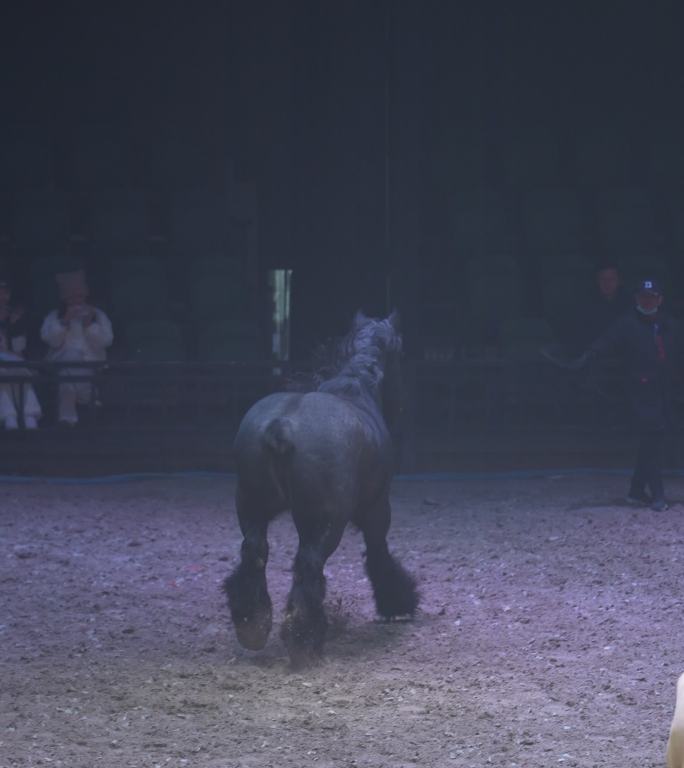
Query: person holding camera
x=75, y=332
x=15, y=398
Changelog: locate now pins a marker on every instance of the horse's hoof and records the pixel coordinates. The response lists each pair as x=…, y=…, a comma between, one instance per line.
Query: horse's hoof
x=304, y=641
x=301, y=658
x=254, y=634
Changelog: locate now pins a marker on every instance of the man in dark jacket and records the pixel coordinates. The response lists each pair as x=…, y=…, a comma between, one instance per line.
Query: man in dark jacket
x=609, y=302
x=644, y=340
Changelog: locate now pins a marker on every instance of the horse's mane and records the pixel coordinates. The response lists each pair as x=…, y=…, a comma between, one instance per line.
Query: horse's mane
x=356, y=363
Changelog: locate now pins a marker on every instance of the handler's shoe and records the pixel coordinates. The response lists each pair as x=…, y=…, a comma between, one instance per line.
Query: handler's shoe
x=638, y=499
x=659, y=505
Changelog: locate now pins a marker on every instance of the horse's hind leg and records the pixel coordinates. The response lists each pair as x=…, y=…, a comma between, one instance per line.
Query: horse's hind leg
x=394, y=588
x=305, y=624
x=248, y=598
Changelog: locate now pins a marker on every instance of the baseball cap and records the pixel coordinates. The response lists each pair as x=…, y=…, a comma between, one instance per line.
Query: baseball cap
x=649, y=286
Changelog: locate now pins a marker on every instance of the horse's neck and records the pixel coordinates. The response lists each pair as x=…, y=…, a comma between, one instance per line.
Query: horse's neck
x=351, y=386
x=356, y=381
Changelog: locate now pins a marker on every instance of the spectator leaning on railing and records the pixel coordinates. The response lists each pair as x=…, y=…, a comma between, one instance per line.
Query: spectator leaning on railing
x=76, y=332
x=14, y=397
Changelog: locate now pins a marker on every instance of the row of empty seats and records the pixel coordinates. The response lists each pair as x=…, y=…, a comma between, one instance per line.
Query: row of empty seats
x=97, y=156
x=551, y=221
x=513, y=306
x=207, y=311
x=198, y=219
x=165, y=340
x=100, y=155
x=555, y=222
x=186, y=293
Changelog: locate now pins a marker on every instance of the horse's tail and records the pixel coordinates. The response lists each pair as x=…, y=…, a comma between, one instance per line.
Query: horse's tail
x=278, y=436
x=279, y=441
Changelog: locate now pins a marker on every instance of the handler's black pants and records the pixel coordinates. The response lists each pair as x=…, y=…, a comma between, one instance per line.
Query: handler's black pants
x=651, y=406
x=648, y=470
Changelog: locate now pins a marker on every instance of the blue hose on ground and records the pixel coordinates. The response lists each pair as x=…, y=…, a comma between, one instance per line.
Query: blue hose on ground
x=517, y=474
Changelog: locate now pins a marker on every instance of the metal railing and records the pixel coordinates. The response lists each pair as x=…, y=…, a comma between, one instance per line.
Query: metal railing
x=494, y=393
x=134, y=394
x=187, y=413
x=440, y=397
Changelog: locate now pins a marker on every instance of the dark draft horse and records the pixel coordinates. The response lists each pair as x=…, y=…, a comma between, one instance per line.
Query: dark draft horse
x=327, y=456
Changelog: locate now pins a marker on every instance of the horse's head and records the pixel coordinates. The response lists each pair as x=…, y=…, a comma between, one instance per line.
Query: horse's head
x=381, y=334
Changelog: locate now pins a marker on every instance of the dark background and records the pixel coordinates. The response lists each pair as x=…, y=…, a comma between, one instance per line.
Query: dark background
x=400, y=152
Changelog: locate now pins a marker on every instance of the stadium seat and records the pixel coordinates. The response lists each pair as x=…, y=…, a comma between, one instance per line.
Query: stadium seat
x=564, y=285
x=675, y=210
x=220, y=267
x=482, y=224
x=603, y=158
x=553, y=222
x=199, y=223
x=625, y=221
x=139, y=289
x=226, y=342
x=99, y=158
x=463, y=163
x=119, y=216
x=497, y=275
x=5, y=218
x=154, y=341
x=665, y=164
x=26, y=159
x=532, y=163
x=43, y=287
x=41, y=221
x=494, y=287
x=522, y=337
x=218, y=295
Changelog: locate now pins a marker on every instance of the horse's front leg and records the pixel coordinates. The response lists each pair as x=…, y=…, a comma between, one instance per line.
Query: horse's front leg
x=305, y=624
x=394, y=588
x=248, y=598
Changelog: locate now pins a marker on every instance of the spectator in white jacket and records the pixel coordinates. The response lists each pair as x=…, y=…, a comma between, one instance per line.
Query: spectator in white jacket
x=75, y=332
x=14, y=397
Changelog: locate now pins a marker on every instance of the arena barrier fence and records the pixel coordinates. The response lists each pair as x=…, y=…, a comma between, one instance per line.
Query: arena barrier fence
x=458, y=413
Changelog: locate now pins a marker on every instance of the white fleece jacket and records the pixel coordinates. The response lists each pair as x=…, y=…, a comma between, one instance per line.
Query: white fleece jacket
x=74, y=341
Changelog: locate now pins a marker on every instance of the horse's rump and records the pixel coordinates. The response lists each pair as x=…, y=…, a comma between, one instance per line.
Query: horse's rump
x=309, y=424
x=318, y=442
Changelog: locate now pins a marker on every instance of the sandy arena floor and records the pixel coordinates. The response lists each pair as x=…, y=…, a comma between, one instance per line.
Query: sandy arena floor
x=550, y=632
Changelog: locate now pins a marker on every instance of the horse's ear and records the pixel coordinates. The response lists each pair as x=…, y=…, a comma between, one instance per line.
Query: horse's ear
x=395, y=320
